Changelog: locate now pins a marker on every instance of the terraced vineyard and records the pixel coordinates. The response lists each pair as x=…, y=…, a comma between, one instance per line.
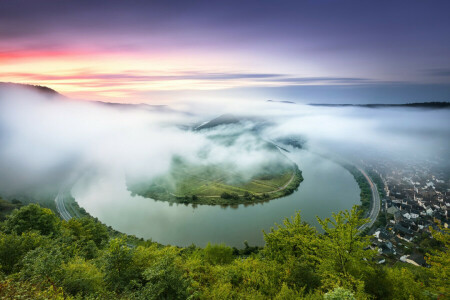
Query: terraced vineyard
x=219, y=184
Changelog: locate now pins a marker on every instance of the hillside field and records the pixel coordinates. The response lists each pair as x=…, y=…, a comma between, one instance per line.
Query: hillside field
x=220, y=184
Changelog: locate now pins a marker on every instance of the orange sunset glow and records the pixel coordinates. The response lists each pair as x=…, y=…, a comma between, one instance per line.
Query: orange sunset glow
x=105, y=76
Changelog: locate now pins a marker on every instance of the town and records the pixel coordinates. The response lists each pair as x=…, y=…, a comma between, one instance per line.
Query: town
x=415, y=198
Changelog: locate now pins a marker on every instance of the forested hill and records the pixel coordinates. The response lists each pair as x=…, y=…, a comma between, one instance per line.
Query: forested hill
x=43, y=257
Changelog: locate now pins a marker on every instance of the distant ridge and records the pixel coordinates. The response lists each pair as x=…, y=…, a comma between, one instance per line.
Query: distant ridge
x=221, y=120
x=281, y=101
x=43, y=90
x=416, y=104
x=39, y=88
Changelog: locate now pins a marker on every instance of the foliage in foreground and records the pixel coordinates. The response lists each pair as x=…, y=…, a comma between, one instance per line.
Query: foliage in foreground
x=42, y=257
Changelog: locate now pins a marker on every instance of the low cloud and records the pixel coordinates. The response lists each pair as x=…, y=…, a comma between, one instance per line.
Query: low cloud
x=49, y=142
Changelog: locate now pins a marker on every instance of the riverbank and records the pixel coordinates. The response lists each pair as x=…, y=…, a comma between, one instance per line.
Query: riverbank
x=364, y=186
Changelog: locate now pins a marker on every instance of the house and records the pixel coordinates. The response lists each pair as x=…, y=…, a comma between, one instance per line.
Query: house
x=402, y=231
x=414, y=214
x=398, y=216
x=387, y=248
x=392, y=210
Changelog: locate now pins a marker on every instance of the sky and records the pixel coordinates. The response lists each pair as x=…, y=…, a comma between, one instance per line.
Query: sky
x=155, y=52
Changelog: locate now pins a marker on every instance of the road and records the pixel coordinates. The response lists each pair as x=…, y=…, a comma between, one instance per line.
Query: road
x=60, y=206
x=376, y=203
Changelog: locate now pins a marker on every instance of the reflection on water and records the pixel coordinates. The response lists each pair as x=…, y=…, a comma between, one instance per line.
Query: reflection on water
x=327, y=188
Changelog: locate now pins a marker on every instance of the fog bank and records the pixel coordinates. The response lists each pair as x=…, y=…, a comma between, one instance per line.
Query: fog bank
x=49, y=142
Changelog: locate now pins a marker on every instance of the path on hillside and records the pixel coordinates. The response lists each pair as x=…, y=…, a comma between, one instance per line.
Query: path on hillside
x=281, y=188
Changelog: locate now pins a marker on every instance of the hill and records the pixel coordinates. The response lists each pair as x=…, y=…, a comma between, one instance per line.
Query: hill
x=221, y=120
x=219, y=184
x=43, y=90
x=224, y=183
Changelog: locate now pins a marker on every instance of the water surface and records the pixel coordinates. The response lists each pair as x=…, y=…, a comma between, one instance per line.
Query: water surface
x=327, y=188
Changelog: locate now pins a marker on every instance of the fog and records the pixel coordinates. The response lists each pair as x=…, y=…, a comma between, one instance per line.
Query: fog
x=47, y=142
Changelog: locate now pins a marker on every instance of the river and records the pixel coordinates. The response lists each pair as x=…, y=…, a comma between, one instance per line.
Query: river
x=327, y=188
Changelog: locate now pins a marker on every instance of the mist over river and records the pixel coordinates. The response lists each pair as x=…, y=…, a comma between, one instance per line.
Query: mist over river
x=327, y=188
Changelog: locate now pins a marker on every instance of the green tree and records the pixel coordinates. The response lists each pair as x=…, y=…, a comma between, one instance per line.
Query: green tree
x=255, y=276
x=43, y=265
x=82, y=277
x=118, y=266
x=84, y=237
x=287, y=294
x=146, y=256
x=293, y=240
x=13, y=289
x=165, y=281
x=403, y=285
x=339, y=294
x=297, y=246
x=301, y=275
x=218, y=254
x=439, y=260
x=344, y=258
x=32, y=217
x=87, y=229
x=13, y=248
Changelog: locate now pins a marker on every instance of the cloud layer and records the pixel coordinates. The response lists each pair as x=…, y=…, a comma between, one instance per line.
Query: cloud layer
x=47, y=142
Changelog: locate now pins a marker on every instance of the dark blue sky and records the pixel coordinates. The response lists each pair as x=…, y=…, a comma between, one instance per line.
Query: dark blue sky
x=384, y=50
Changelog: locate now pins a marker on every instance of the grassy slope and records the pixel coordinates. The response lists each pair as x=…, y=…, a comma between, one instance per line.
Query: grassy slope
x=207, y=185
